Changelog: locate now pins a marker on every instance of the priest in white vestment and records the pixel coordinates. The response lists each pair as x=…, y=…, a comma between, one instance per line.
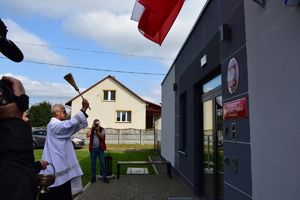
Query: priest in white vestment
x=59, y=151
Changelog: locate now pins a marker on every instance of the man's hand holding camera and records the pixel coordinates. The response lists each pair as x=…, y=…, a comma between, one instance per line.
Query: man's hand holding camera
x=11, y=109
x=96, y=127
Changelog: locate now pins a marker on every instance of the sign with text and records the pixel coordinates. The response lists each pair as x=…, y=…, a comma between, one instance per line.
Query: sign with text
x=235, y=109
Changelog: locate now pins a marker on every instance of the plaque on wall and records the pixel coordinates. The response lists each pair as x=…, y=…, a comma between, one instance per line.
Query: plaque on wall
x=235, y=109
x=233, y=75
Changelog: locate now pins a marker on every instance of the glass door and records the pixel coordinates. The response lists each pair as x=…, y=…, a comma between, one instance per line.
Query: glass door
x=220, y=152
x=213, y=145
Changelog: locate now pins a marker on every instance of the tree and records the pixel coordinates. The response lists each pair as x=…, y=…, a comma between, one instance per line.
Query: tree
x=39, y=114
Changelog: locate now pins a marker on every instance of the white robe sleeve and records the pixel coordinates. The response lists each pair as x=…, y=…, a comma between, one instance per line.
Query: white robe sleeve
x=65, y=129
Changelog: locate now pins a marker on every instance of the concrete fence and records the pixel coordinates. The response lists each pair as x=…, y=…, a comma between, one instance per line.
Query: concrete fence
x=123, y=136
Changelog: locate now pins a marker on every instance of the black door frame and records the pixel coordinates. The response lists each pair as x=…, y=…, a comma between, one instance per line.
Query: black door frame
x=205, y=97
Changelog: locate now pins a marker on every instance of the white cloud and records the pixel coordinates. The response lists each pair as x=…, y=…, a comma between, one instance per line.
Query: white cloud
x=117, y=32
x=45, y=91
x=43, y=54
x=60, y=9
x=108, y=24
x=58, y=93
x=142, y=82
x=150, y=99
x=153, y=94
x=156, y=91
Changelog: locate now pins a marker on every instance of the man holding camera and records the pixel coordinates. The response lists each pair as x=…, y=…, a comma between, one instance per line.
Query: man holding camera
x=18, y=179
x=97, y=133
x=17, y=176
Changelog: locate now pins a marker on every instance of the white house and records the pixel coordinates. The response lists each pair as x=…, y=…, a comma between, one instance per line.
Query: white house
x=116, y=106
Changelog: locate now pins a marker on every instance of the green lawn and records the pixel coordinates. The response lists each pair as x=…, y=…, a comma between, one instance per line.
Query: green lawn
x=84, y=161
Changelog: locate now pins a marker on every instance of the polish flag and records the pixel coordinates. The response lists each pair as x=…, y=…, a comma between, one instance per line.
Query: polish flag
x=156, y=17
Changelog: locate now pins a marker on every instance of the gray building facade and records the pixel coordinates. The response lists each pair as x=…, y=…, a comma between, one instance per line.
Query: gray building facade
x=229, y=103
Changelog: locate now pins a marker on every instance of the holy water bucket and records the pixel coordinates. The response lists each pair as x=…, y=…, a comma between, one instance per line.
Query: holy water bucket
x=45, y=180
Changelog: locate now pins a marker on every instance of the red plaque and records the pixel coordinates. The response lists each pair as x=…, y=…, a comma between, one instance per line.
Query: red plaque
x=235, y=109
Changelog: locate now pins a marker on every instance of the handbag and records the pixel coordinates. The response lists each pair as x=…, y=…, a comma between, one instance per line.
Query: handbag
x=102, y=145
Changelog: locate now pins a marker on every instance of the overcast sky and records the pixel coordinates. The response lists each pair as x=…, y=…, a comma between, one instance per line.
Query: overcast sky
x=90, y=39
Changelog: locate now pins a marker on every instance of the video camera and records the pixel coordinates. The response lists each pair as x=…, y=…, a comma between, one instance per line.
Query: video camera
x=7, y=96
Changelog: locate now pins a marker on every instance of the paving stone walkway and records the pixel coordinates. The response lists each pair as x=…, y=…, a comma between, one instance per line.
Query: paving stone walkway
x=137, y=187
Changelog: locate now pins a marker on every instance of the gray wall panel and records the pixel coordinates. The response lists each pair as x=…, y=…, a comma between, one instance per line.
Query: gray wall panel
x=168, y=118
x=273, y=64
x=236, y=24
x=210, y=20
x=241, y=180
x=234, y=194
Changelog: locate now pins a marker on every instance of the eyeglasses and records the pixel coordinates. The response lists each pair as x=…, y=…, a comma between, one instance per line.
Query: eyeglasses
x=64, y=111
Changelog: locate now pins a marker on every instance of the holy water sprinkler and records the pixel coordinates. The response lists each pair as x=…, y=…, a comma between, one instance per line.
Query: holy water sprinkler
x=71, y=80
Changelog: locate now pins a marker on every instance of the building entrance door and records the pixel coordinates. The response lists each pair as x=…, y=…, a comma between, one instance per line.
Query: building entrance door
x=213, y=188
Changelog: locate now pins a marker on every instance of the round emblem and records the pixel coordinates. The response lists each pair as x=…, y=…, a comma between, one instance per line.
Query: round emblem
x=233, y=75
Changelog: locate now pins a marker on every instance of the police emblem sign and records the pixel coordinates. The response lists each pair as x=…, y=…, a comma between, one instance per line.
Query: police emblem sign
x=233, y=75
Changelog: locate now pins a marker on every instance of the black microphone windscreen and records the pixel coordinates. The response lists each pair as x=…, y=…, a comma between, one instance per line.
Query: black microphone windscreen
x=11, y=51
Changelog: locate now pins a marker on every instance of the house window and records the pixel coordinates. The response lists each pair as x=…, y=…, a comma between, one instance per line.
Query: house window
x=109, y=95
x=123, y=116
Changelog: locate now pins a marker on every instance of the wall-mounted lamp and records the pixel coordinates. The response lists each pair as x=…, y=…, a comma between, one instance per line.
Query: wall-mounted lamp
x=262, y=3
x=291, y=3
x=225, y=33
x=203, y=60
x=174, y=87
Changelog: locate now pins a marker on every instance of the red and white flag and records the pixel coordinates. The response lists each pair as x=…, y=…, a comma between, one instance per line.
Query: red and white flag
x=156, y=17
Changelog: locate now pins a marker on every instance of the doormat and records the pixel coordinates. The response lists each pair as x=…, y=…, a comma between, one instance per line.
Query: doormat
x=137, y=170
x=180, y=198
